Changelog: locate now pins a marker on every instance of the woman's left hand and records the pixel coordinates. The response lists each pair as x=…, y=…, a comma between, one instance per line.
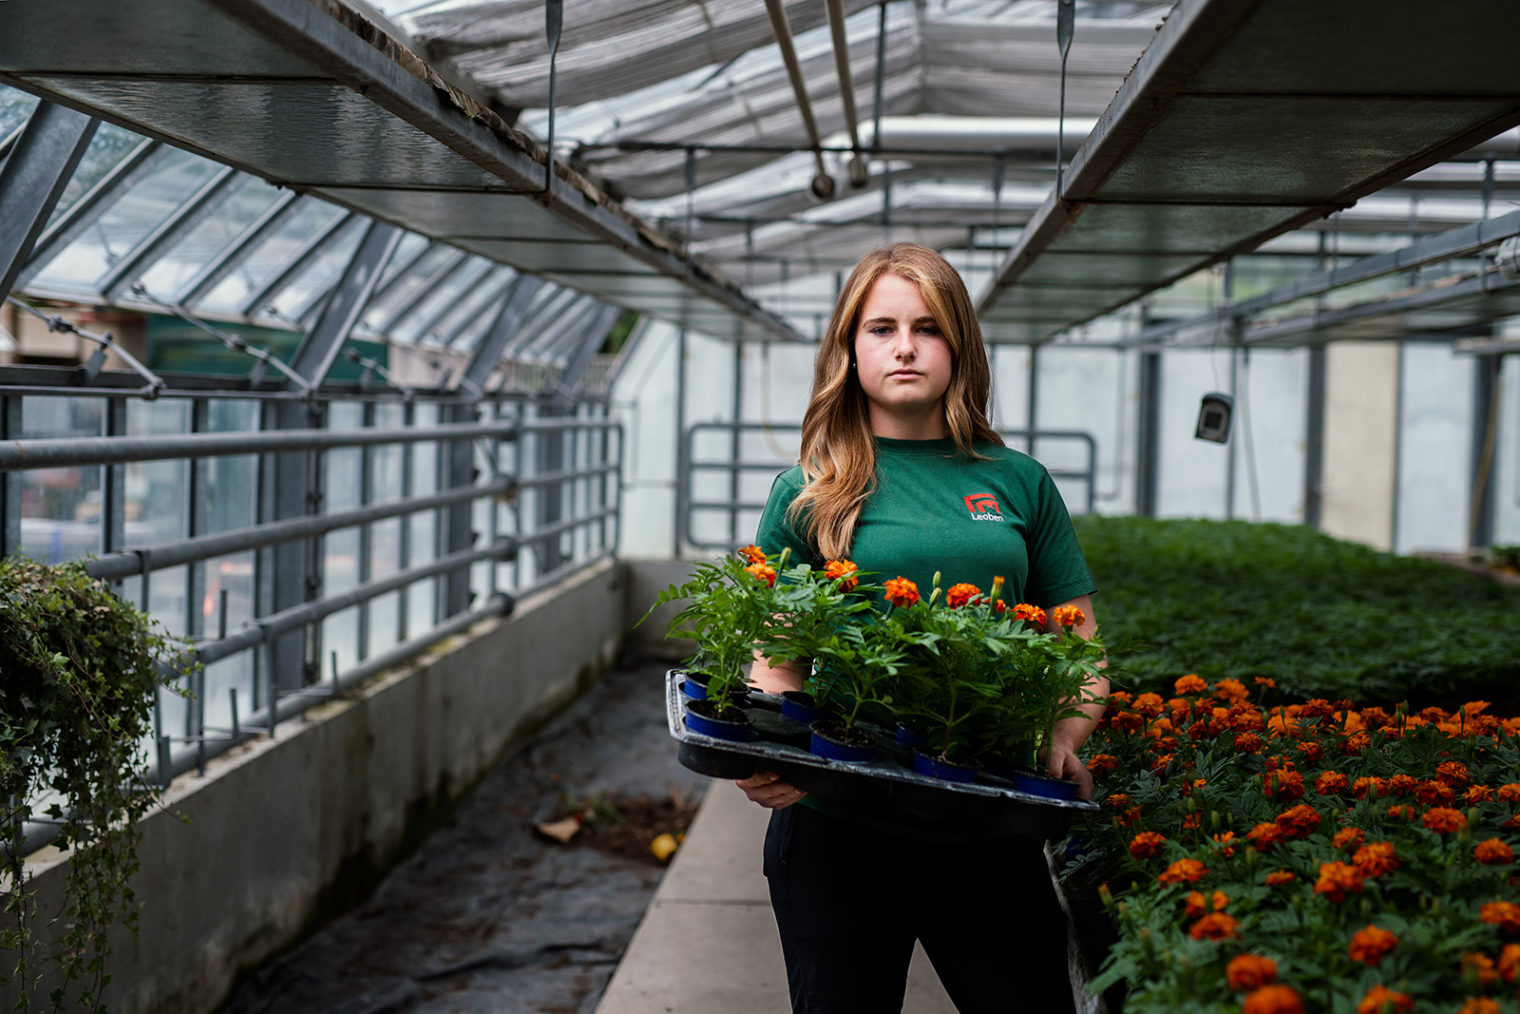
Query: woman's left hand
x=1062, y=762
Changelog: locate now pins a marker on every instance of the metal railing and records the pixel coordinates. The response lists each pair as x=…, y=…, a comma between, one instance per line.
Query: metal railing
x=297, y=562
x=735, y=463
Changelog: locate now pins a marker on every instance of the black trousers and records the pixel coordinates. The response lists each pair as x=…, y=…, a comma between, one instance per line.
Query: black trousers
x=850, y=901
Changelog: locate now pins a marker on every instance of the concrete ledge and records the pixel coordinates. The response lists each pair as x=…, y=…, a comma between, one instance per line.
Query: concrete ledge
x=281, y=834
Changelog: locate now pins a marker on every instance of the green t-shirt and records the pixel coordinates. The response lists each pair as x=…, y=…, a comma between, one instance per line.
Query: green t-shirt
x=971, y=519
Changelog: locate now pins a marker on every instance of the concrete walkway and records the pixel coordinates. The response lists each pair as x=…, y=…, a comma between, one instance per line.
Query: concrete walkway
x=708, y=943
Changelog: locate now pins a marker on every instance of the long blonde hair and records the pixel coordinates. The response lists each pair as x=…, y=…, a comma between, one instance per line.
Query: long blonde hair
x=838, y=456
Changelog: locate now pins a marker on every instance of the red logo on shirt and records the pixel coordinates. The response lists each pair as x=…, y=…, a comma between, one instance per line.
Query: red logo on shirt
x=983, y=507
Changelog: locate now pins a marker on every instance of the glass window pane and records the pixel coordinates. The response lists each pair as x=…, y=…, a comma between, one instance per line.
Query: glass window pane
x=61, y=507
x=108, y=147
x=325, y=269
x=270, y=257
x=206, y=243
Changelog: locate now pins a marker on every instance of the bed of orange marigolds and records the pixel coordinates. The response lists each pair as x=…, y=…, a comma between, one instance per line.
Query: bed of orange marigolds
x=1306, y=857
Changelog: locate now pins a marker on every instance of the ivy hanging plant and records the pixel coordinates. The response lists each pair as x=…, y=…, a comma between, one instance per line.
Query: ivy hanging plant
x=79, y=670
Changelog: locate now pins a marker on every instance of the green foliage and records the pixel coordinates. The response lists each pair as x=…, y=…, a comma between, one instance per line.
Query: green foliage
x=80, y=670
x=1322, y=617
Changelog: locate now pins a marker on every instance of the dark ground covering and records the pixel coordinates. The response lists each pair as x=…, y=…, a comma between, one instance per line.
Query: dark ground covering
x=487, y=915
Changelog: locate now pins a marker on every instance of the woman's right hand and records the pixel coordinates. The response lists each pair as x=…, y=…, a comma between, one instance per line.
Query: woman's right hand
x=767, y=789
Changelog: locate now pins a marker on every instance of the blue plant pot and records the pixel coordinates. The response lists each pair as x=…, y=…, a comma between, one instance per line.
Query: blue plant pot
x=736, y=728
x=908, y=737
x=823, y=746
x=945, y=771
x=796, y=705
x=692, y=689
x=1040, y=785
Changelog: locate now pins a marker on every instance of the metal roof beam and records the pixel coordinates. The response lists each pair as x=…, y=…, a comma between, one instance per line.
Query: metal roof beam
x=580, y=356
x=509, y=318
x=302, y=260
x=216, y=272
x=315, y=356
x=34, y=177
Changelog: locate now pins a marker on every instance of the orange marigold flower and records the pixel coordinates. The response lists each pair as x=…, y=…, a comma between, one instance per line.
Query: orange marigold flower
x=1265, y=682
x=1299, y=821
x=1214, y=926
x=1382, y=1000
x=1192, y=683
x=1371, y=945
x=1224, y=843
x=1434, y=793
x=1402, y=785
x=1129, y=816
x=1479, y=968
x=900, y=591
x=1248, y=742
x=754, y=554
x=1371, y=783
x=1479, y=1005
x=1069, y=616
x=1509, y=793
x=1147, y=845
x=1444, y=820
x=1453, y=773
x=1331, y=783
x=762, y=572
x=1377, y=859
x=1183, y=871
x=1033, y=615
x=1476, y=794
x=1192, y=822
x=1231, y=690
x=1249, y=971
x=1283, y=784
x=1395, y=812
x=960, y=594
x=834, y=570
x=1503, y=914
x=1149, y=705
x=1277, y=878
x=1316, y=707
x=1244, y=718
x=1118, y=801
x=1337, y=880
x=1348, y=838
x=1103, y=763
x=1509, y=963
x=1264, y=836
x=1273, y=999
x=1493, y=852
x=1194, y=905
x=1159, y=764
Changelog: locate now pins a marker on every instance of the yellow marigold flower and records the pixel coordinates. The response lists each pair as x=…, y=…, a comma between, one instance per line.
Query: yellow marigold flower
x=1444, y=820
x=1192, y=683
x=1147, y=845
x=754, y=554
x=900, y=592
x=1183, y=871
x=1503, y=914
x=1382, y=1000
x=960, y=594
x=835, y=570
x=1337, y=880
x=1509, y=963
x=762, y=572
x=1278, y=878
x=1348, y=838
x=1273, y=999
x=1069, y=616
x=1494, y=852
x=1214, y=926
x=1371, y=945
x=1377, y=859
x=1249, y=971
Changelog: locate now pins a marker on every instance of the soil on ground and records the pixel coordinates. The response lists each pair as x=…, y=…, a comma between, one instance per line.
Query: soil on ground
x=488, y=915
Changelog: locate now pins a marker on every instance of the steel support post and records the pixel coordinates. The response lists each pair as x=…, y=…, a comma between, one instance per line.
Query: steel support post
x=683, y=470
x=1148, y=432
x=457, y=459
x=580, y=357
x=1314, y=438
x=503, y=327
x=1032, y=408
x=1484, y=439
x=33, y=178
x=10, y=486
x=551, y=498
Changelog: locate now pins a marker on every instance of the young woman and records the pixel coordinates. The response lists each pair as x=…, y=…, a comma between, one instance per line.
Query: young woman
x=902, y=473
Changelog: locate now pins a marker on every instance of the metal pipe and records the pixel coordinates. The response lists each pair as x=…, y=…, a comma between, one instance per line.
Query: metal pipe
x=823, y=183
x=858, y=171
x=19, y=455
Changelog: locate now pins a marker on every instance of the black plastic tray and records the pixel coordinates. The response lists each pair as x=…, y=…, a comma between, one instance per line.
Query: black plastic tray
x=886, y=782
